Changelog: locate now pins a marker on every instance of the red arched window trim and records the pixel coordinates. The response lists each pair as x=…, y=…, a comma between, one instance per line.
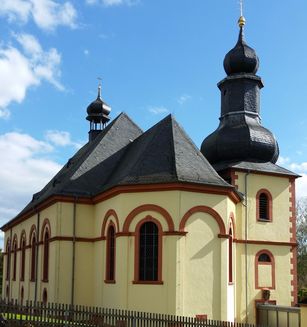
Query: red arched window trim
x=261, y=206
x=23, y=244
x=137, y=252
x=14, y=257
x=271, y=263
x=110, y=254
x=8, y=258
x=46, y=249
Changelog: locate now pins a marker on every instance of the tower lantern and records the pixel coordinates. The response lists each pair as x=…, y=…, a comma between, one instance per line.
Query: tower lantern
x=98, y=115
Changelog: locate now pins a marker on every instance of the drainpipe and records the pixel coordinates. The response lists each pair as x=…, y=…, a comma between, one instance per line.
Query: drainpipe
x=245, y=246
x=73, y=253
x=36, y=255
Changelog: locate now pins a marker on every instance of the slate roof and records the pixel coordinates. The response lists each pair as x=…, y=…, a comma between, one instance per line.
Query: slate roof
x=123, y=155
x=264, y=167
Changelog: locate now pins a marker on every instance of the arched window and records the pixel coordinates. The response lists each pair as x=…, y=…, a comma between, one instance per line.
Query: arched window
x=148, y=267
x=23, y=257
x=264, y=270
x=264, y=205
x=45, y=296
x=230, y=265
x=8, y=259
x=46, y=242
x=33, y=257
x=110, y=257
x=14, y=257
x=21, y=295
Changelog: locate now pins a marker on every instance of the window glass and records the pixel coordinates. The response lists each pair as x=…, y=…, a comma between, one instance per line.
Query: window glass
x=148, y=255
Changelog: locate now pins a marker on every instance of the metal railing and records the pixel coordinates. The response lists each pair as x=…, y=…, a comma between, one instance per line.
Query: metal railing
x=278, y=316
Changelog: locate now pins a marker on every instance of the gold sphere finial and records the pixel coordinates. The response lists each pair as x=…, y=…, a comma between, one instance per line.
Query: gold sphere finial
x=241, y=21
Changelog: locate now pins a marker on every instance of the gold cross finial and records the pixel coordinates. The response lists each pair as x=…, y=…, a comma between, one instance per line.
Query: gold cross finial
x=241, y=20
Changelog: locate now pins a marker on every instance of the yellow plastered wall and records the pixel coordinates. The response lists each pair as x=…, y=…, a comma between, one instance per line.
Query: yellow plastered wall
x=166, y=298
x=179, y=254
x=29, y=286
x=276, y=231
x=202, y=254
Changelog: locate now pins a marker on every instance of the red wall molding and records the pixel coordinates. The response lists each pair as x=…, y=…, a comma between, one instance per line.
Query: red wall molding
x=110, y=213
x=148, y=207
x=203, y=209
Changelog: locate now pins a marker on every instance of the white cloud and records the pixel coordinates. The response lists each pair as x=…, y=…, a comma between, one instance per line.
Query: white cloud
x=24, y=170
x=61, y=138
x=301, y=186
x=299, y=168
x=24, y=68
x=109, y=3
x=158, y=110
x=183, y=98
x=47, y=14
x=283, y=160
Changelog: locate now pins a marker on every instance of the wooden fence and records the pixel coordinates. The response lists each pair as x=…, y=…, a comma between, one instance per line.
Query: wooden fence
x=39, y=314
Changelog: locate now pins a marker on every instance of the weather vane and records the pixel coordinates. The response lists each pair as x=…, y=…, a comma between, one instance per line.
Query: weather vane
x=99, y=86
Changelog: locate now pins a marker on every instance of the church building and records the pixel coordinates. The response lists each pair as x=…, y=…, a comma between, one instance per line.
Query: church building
x=146, y=221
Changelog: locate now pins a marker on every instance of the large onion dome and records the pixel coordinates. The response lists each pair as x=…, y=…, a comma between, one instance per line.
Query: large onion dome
x=240, y=135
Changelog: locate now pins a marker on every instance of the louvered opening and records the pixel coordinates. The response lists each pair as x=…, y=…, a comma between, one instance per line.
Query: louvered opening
x=264, y=207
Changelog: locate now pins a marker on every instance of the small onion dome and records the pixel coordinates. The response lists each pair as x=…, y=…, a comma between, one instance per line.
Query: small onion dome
x=98, y=110
x=242, y=58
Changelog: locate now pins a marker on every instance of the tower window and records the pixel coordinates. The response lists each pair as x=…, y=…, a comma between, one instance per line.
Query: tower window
x=110, y=261
x=264, y=205
x=264, y=257
x=264, y=270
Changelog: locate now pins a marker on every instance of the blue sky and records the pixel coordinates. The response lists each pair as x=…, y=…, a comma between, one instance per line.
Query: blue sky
x=155, y=57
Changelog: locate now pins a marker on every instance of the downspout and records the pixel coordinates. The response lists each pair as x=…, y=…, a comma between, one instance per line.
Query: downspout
x=36, y=255
x=245, y=245
x=73, y=253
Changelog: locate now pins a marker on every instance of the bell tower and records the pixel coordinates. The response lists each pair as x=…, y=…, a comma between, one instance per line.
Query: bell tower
x=240, y=135
x=98, y=115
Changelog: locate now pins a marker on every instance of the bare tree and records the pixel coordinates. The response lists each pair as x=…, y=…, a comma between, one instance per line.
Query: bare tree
x=301, y=234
